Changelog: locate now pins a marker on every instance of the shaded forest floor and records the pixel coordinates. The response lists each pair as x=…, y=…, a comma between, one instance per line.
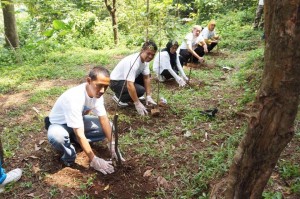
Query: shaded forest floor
x=163, y=156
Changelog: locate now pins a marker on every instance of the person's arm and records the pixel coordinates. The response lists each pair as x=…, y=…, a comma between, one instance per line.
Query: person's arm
x=181, y=71
x=203, y=44
x=188, y=41
x=147, y=84
x=106, y=127
x=170, y=69
x=172, y=72
x=216, y=38
x=178, y=79
x=85, y=145
x=132, y=91
x=190, y=49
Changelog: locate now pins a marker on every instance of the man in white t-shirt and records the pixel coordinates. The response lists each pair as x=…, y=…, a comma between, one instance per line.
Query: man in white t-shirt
x=209, y=35
x=193, y=47
x=259, y=21
x=69, y=120
x=130, y=79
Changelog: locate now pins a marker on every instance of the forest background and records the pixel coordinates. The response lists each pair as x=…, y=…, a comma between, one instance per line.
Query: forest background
x=60, y=40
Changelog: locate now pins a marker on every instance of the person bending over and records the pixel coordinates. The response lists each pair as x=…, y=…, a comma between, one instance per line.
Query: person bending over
x=70, y=120
x=167, y=65
x=209, y=35
x=131, y=76
x=193, y=47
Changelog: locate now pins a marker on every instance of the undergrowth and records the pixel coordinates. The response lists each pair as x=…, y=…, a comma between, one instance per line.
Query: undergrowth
x=244, y=55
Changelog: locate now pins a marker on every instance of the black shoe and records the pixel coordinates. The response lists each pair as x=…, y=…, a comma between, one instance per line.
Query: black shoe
x=67, y=163
x=210, y=112
x=47, y=122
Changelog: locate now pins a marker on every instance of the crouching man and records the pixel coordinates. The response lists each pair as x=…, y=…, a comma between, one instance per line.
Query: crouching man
x=69, y=120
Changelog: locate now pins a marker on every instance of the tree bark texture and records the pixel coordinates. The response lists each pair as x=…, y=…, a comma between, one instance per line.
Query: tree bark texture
x=112, y=11
x=10, y=28
x=275, y=108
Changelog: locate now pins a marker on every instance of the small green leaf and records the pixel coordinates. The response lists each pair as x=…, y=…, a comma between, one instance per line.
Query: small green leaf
x=48, y=33
x=59, y=25
x=63, y=33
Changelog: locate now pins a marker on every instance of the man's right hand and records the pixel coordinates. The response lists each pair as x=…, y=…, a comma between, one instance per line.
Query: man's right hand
x=141, y=109
x=101, y=165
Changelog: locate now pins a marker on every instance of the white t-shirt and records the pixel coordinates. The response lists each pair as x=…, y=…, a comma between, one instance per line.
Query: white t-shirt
x=162, y=62
x=68, y=108
x=191, y=41
x=207, y=34
x=121, y=71
x=261, y=2
x=164, y=59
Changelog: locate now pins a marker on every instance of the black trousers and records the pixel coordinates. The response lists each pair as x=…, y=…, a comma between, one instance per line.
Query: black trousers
x=211, y=46
x=187, y=57
x=116, y=87
x=167, y=74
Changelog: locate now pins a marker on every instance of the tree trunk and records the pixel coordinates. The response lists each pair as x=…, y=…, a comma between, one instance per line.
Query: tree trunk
x=275, y=107
x=115, y=27
x=1, y=153
x=10, y=28
x=112, y=11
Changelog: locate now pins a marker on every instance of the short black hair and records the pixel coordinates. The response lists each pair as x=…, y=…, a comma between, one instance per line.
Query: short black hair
x=94, y=72
x=149, y=45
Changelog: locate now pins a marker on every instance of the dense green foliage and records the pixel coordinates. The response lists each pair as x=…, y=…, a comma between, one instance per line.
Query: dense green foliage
x=49, y=25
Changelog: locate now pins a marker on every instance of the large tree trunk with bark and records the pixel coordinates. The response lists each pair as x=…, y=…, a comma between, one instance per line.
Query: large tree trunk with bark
x=112, y=11
x=272, y=126
x=10, y=28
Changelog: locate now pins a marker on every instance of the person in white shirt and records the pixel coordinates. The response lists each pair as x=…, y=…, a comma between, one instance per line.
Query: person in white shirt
x=166, y=64
x=130, y=79
x=209, y=35
x=69, y=120
x=259, y=21
x=193, y=47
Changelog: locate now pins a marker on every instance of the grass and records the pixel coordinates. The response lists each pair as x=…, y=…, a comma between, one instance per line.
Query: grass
x=56, y=65
x=198, y=160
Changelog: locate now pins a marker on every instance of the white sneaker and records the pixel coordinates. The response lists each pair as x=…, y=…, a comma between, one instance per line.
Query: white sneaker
x=11, y=176
x=121, y=104
x=142, y=98
x=161, y=78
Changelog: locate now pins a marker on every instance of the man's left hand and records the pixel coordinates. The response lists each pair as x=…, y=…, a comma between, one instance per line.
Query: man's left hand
x=149, y=100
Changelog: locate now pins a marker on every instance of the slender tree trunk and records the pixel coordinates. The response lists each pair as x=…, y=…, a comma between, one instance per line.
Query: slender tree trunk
x=1, y=153
x=272, y=126
x=115, y=27
x=112, y=11
x=10, y=28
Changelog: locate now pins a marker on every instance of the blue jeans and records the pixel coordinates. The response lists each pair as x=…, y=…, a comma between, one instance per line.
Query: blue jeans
x=60, y=136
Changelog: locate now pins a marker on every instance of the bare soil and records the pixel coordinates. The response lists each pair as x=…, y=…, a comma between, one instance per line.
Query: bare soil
x=51, y=179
